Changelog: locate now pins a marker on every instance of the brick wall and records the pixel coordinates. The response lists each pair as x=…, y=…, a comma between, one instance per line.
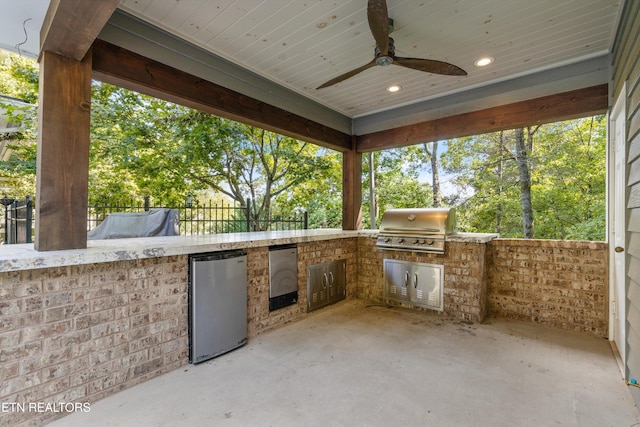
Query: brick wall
x=558, y=283
x=464, y=275
x=260, y=318
x=77, y=334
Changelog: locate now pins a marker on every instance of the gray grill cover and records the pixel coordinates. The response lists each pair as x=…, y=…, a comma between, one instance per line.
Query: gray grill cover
x=120, y=225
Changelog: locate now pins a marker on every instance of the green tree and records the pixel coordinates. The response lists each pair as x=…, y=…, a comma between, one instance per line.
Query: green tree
x=19, y=80
x=131, y=137
x=570, y=180
x=567, y=170
x=431, y=150
x=143, y=146
x=321, y=198
x=244, y=162
x=398, y=184
x=168, y=151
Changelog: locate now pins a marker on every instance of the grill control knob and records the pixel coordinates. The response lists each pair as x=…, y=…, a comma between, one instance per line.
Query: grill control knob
x=415, y=241
x=387, y=239
x=401, y=240
x=430, y=242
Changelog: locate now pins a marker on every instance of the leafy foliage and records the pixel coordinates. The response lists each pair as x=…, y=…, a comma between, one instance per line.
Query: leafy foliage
x=19, y=80
x=169, y=151
x=397, y=181
x=568, y=173
x=142, y=146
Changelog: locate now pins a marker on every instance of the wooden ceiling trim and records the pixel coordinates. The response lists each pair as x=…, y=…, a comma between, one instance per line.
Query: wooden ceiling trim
x=547, y=109
x=121, y=67
x=71, y=26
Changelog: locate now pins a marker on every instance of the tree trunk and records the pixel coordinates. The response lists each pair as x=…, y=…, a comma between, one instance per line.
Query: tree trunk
x=523, y=151
x=373, y=206
x=501, y=148
x=435, y=175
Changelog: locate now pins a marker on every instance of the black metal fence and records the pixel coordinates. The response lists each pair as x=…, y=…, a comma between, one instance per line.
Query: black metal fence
x=18, y=220
x=195, y=219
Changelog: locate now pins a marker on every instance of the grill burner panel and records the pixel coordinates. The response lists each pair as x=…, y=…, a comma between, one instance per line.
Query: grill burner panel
x=415, y=243
x=419, y=230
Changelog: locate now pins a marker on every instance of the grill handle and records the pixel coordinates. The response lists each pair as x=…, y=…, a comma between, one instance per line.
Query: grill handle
x=415, y=280
x=406, y=278
x=405, y=230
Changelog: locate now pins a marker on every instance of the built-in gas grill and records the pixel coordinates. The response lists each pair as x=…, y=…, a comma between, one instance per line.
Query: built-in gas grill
x=419, y=230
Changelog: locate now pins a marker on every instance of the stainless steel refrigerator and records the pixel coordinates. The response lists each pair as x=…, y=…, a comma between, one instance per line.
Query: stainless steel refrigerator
x=217, y=304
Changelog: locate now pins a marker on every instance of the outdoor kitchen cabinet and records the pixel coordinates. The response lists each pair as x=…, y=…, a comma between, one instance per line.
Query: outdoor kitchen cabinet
x=414, y=283
x=326, y=283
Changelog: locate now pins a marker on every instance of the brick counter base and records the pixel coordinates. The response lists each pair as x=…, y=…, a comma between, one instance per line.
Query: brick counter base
x=78, y=334
x=558, y=283
x=465, y=279
x=552, y=282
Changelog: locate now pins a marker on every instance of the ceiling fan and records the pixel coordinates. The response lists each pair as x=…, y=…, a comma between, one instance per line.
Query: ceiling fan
x=385, y=54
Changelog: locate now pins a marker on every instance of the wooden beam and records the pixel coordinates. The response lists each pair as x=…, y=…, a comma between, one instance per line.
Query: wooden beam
x=71, y=26
x=562, y=106
x=118, y=66
x=63, y=153
x=351, y=190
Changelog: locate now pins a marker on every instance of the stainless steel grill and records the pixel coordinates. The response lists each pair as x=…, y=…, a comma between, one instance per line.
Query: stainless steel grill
x=419, y=230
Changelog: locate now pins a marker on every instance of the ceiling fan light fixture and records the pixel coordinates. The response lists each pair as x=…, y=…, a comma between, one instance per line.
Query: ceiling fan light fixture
x=484, y=61
x=384, y=60
x=394, y=88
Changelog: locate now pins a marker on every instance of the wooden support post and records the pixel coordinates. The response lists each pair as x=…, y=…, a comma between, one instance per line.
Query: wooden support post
x=63, y=152
x=351, y=190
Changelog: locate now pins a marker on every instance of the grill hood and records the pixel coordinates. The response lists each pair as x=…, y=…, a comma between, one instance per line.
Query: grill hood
x=421, y=230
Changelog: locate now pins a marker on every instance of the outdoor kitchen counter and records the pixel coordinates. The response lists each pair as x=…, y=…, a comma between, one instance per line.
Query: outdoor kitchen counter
x=25, y=257
x=471, y=237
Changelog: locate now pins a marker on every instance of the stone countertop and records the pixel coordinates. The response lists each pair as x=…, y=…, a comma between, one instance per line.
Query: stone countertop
x=25, y=257
x=472, y=237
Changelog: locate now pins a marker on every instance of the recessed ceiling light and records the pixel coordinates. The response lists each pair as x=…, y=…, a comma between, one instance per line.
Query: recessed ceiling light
x=394, y=88
x=484, y=61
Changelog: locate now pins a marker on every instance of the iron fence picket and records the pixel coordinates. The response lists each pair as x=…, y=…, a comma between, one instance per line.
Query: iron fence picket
x=18, y=225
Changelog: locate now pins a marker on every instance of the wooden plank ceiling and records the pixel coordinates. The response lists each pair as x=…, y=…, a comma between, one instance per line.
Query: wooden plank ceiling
x=301, y=44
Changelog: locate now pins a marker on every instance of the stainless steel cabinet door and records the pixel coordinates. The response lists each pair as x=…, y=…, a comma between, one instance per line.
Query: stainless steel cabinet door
x=426, y=288
x=326, y=283
x=337, y=278
x=317, y=287
x=414, y=283
x=397, y=276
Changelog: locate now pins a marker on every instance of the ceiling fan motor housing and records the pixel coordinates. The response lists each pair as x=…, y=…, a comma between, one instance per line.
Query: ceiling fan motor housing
x=385, y=59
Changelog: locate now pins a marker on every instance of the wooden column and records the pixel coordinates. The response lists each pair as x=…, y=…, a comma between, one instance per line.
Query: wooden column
x=351, y=190
x=63, y=152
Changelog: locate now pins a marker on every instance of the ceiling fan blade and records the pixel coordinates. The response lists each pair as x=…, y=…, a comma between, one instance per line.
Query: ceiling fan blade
x=378, y=16
x=345, y=76
x=430, y=66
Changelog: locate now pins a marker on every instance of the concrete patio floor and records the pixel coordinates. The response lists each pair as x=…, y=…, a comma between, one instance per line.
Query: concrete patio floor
x=363, y=364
